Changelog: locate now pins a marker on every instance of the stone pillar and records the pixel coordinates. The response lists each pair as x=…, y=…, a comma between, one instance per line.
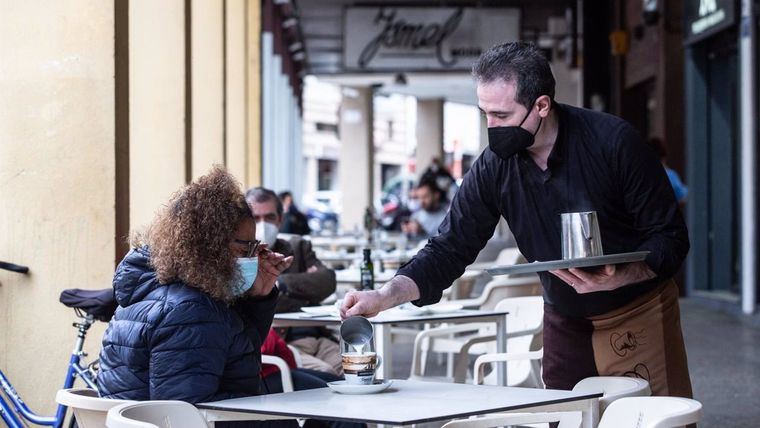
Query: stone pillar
x=356, y=164
x=253, y=75
x=57, y=189
x=235, y=90
x=207, y=86
x=157, y=148
x=429, y=133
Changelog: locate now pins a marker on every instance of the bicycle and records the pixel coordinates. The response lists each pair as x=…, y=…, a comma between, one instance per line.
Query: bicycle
x=90, y=306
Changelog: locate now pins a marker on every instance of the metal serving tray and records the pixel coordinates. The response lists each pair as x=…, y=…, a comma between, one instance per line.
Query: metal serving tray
x=583, y=262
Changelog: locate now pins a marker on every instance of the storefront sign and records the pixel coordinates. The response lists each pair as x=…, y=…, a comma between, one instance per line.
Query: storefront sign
x=703, y=18
x=416, y=38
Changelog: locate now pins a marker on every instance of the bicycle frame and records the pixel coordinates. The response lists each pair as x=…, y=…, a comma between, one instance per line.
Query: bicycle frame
x=75, y=370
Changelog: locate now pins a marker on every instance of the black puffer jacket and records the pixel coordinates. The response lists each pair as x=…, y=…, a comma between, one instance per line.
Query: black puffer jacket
x=174, y=342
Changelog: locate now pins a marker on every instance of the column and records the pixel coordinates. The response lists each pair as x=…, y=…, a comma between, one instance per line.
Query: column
x=157, y=95
x=254, y=77
x=748, y=102
x=235, y=90
x=57, y=181
x=429, y=133
x=355, y=167
x=207, y=89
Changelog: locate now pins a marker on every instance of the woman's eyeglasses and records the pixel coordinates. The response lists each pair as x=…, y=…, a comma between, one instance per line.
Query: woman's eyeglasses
x=253, y=246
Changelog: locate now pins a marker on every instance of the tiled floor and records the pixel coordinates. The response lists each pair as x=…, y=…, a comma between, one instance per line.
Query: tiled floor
x=724, y=360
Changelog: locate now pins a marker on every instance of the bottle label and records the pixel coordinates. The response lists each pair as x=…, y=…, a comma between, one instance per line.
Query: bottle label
x=367, y=280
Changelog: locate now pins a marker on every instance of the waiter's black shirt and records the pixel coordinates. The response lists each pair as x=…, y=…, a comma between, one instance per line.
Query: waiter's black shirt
x=598, y=163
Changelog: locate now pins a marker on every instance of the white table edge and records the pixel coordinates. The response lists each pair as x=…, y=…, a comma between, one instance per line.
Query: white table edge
x=280, y=322
x=570, y=404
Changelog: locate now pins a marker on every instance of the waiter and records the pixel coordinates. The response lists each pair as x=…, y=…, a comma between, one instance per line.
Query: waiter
x=544, y=159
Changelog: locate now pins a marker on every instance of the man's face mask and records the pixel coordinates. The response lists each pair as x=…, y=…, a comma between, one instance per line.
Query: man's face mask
x=249, y=269
x=266, y=232
x=505, y=141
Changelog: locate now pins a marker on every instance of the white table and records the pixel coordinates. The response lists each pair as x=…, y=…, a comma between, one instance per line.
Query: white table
x=383, y=323
x=405, y=402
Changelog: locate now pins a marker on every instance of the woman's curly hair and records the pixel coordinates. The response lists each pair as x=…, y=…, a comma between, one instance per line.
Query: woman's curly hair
x=189, y=239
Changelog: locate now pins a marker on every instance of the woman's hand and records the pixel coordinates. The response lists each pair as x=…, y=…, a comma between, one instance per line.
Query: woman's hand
x=271, y=265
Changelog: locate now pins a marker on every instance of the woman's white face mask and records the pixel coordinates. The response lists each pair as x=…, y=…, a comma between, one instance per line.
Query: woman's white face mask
x=266, y=233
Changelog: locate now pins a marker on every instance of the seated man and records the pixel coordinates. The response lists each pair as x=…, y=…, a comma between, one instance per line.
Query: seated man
x=306, y=283
x=433, y=208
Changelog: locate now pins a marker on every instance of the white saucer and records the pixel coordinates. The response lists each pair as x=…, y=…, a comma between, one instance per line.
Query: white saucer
x=340, y=386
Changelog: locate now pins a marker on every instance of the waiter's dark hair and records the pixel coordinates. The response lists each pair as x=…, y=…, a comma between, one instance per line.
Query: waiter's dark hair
x=519, y=62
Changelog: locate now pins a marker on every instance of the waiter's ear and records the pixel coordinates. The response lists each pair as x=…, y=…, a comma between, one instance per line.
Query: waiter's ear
x=544, y=105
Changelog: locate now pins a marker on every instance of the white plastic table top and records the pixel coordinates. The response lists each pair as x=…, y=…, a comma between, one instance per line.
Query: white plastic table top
x=407, y=402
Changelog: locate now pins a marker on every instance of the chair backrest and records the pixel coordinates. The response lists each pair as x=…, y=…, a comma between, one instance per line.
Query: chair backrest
x=651, y=412
x=509, y=256
x=89, y=409
x=613, y=388
x=503, y=287
x=155, y=414
x=285, y=376
x=525, y=313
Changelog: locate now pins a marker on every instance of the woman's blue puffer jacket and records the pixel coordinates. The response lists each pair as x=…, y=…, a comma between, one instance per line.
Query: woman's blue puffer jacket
x=174, y=342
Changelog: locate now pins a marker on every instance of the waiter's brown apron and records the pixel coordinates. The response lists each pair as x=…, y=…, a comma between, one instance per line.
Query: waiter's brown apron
x=642, y=339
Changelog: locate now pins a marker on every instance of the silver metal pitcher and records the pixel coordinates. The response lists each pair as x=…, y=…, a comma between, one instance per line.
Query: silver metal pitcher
x=580, y=235
x=357, y=332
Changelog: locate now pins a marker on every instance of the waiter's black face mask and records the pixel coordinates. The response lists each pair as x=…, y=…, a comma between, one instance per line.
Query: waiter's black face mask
x=505, y=141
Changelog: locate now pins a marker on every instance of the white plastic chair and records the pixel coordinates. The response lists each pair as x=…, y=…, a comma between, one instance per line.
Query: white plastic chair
x=651, y=412
x=524, y=329
x=613, y=388
x=508, y=256
x=296, y=355
x=285, y=376
x=89, y=409
x=630, y=412
x=500, y=288
x=155, y=414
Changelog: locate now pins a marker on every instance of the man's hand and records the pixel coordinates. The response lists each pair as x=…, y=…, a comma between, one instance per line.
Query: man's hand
x=609, y=278
x=365, y=303
x=271, y=265
x=398, y=290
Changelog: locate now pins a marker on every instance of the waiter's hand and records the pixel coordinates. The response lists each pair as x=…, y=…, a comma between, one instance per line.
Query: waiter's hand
x=608, y=278
x=398, y=290
x=363, y=303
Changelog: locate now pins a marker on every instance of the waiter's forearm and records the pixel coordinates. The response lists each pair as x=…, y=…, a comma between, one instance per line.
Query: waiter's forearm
x=400, y=289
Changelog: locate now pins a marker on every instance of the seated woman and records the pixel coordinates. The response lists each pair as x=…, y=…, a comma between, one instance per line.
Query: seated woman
x=196, y=299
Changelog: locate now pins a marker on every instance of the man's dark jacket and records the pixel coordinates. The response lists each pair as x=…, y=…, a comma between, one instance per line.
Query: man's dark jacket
x=299, y=288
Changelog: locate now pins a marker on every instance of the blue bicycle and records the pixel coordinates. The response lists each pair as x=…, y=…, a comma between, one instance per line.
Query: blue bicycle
x=90, y=306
